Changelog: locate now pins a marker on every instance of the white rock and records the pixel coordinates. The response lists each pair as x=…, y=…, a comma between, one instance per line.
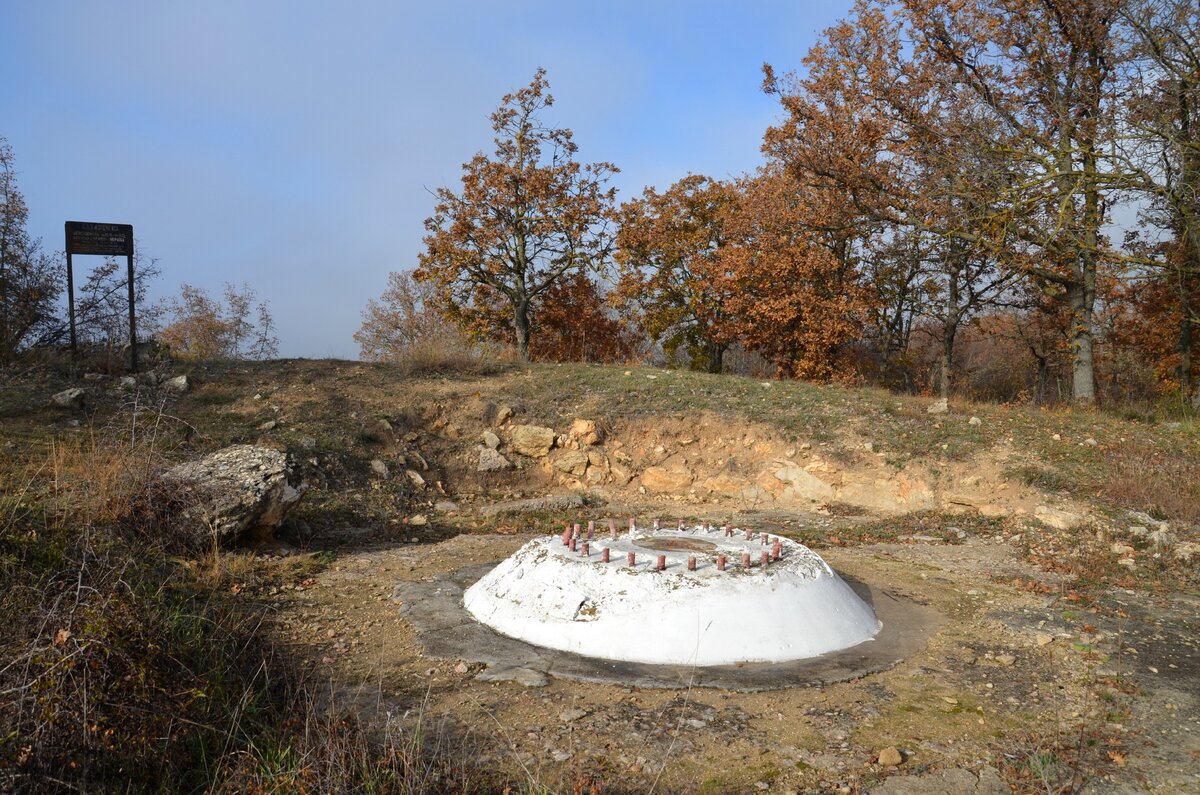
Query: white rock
x=415, y=477
x=241, y=489
x=73, y=398
x=974, y=421
x=490, y=440
x=177, y=384
x=939, y=407
x=379, y=468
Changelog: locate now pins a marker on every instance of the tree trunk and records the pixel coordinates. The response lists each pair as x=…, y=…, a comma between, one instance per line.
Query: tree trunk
x=948, y=333
x=716, y=357
x=521, y=328
x=1185, y=353
x=1081, y=297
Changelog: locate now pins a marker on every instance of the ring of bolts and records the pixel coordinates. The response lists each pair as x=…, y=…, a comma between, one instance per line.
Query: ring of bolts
x=572, y=533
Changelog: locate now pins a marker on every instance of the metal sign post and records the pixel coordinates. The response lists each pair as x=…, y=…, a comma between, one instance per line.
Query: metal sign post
x=108, y=240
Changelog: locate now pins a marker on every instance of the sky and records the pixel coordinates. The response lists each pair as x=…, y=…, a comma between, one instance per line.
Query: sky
x=294, y=146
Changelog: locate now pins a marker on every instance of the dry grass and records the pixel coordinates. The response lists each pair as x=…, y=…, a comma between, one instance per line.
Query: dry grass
x=124, y=667
x=1164, y=484
x=448, y=355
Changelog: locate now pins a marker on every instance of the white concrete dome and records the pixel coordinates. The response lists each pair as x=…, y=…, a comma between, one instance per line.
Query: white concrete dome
x=792, y=607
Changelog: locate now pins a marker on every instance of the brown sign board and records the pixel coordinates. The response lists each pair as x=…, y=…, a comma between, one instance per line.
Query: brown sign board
x=85, y=237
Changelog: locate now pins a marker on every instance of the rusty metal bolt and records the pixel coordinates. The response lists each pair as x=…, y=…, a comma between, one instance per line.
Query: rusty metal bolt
x=612, y=528
x=692, y=563
x=720, y=563
x=745, y=560
x=631, y=559
x=662, y=562
x=566, y=536
x=591, y=528
x=586, y=550
x=604, y=555
x=574, y=543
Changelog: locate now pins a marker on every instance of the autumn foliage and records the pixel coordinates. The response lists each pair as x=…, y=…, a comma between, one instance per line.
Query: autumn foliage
x=934, y=214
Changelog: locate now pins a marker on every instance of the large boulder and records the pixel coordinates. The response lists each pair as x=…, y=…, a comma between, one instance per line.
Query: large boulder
x=244, y=490
x=532, y=440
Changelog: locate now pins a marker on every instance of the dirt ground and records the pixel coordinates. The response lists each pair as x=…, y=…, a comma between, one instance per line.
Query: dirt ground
x=1018, y=679
x=1067, y=659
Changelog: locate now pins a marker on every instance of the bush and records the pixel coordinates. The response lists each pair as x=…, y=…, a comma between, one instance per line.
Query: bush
x=123, y=668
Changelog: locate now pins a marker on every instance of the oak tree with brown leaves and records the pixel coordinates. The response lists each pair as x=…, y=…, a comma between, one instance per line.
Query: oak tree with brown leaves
x=668, y=251
x=522, y=219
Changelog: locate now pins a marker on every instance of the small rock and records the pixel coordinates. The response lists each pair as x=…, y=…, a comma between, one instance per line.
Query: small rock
x=571, y=714
x=1128, y=563
x=126, y=382
x=177, y=384
x=1058, y=519
x=1090, y=442
x=974, y=421
x=308, y=443
x=461, y=668
x=1056, y=437
x=939, y=407
x=1121, y=549
x=446, y=506
x=585, y=432
x=1043, y=639
x=890, y=757
x=418, y=520
x=490, y=440
x=503, y=414
x=1006, y=659
x=1187, y=551
x=415, y=477
x=533, y=440
x=1161, y=539
x=379, y=468
x=269, y=425
x=73, y=398
x=573, y=462
x=762, y=785
x=492, y=461
x=560, y=755
x=522, y=676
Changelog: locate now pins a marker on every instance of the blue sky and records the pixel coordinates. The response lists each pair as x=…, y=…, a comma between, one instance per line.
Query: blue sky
x=294, y=145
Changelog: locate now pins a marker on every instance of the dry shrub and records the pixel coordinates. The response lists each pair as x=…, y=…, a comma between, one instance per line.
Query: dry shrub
x=126, y=668
x=449, y=354
x=1163, y=483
